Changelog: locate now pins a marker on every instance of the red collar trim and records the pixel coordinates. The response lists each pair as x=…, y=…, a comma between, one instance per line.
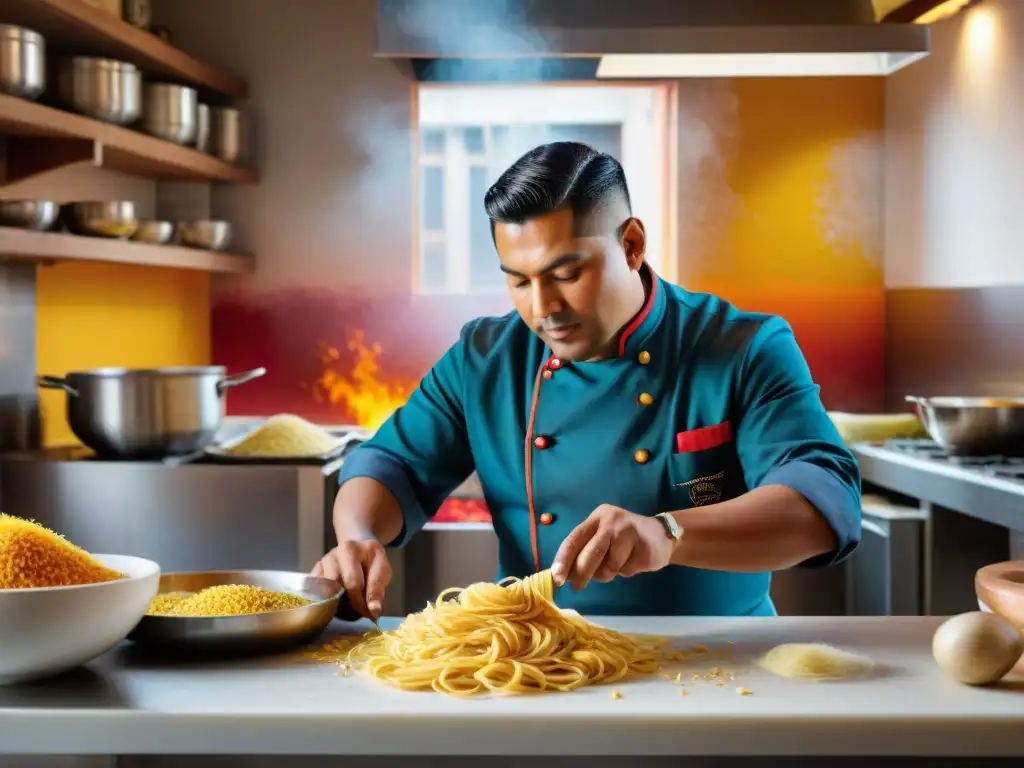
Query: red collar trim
x=637, y=321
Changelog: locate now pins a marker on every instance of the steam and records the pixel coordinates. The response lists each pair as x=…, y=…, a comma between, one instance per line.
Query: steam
x=709, y=130
x=849, y=203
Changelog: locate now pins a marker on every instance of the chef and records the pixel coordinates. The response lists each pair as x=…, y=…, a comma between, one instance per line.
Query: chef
x=660, y=450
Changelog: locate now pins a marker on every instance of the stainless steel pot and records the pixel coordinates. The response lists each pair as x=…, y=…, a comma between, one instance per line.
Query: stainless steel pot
x=171, y=112
x=203, y=128
x=146, y=413
x=106, y=89
x=226, y=133
x=22, y=62
x=974, y=426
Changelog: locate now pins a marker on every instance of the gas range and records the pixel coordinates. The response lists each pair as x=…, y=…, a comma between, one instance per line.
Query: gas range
x=1004, y=467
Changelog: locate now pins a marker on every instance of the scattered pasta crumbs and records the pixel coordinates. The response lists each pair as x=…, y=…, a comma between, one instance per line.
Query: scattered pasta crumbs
x=720, y=683
x=699, y=649
x=679, y=677
x=667, y=677
x=616, y=695
x=744, y=691
x=716, y=671
x=684, y=692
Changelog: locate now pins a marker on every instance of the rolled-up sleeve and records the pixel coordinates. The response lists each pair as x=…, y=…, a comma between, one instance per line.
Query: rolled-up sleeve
x=421, y=454
x=785, y=436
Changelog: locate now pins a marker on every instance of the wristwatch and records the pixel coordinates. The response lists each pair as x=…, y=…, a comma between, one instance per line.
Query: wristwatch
x=671, y=525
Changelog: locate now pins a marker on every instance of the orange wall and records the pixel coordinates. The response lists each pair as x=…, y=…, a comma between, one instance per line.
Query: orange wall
x=93, y=315
x=781, y=210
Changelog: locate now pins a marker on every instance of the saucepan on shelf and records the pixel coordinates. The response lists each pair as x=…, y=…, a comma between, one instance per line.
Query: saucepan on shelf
x=974, y=426
x=125, y=413
x=22, y=62
x=106, y=89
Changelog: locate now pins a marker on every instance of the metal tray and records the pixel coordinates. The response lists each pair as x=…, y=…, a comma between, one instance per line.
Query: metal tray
x=217, y=454
x=241, y=635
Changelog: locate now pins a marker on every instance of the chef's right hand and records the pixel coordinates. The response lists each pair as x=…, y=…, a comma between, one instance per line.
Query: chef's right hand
x=362, y=567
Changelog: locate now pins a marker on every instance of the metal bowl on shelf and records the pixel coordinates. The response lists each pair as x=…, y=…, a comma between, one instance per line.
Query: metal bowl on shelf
x=22, y=62
x=171, y=112
x=39, y=215
x=255, y=633
x=209, y=235
x=112, y=218
x=106, y=89
x=154, y=232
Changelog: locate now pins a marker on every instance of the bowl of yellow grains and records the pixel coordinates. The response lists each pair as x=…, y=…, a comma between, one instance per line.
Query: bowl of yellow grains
x=60, y=606
x=237, y=612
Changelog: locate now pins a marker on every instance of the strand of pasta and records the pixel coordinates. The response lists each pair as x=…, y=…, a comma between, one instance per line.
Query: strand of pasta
x=499, y=638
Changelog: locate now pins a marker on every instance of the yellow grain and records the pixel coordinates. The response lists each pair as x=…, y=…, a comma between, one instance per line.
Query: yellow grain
x=285, y=435
x=34, y=556
x=226, y=600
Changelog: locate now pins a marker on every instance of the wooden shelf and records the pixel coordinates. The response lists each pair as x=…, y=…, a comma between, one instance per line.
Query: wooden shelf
x=92, y=30
x=27, y=245
x=44, y=138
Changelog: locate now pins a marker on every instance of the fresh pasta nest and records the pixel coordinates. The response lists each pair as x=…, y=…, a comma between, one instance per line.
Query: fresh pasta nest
x=497, y=638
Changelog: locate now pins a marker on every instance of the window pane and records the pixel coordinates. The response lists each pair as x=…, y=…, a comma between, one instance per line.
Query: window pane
x=435, y=269
x=473, y=138
x=432, y=141
x=433, y=198
x=484, y=275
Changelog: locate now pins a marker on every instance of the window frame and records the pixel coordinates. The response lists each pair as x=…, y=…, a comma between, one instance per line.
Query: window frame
x=663, y=153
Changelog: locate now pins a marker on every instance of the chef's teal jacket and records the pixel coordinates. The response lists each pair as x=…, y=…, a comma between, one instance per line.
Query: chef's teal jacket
x=702, y=403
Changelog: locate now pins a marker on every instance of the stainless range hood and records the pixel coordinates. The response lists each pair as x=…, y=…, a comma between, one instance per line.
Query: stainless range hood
x=501, y=40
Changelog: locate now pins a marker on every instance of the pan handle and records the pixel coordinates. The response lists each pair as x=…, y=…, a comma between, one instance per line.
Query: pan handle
x=239, y=378
x=55, y=382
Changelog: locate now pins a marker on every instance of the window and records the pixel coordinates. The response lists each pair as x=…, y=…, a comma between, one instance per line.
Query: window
x=468, y=135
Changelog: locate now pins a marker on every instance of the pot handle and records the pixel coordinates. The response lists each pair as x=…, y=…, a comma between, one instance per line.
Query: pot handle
x=54, y=382
x=239, y=378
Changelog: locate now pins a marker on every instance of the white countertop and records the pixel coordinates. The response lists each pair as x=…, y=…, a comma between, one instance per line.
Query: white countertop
x=288, y=705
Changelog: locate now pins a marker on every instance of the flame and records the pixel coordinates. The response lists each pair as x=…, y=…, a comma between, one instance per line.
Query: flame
x=369, y=400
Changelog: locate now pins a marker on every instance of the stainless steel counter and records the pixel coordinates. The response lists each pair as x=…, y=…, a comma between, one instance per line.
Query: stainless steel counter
x=189, y=517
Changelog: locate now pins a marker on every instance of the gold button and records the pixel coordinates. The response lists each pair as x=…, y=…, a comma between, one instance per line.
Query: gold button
x=644, y=357
x=645, y=399
x=546, y=374
x=641, y=456
x=547, y=518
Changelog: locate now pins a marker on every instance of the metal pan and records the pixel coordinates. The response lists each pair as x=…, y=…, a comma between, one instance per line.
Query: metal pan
x=218, y=454
x=974, y=426
x=241, y=635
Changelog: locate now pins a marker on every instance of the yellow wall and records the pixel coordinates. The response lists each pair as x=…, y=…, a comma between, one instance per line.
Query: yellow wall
x=93, y=315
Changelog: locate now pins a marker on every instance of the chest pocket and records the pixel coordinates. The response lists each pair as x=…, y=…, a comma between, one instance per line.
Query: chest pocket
x=705, y=468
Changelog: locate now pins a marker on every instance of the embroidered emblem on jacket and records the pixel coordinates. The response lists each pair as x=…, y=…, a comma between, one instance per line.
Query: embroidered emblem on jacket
x=704, y=490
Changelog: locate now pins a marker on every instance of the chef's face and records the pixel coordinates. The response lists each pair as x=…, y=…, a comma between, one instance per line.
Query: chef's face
x=570, y=284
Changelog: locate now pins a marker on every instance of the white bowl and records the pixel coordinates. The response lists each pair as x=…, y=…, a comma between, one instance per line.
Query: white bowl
x=50, y=630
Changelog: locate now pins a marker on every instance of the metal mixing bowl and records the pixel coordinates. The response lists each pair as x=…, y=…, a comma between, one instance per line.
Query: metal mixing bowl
x=209, y=235
x=106, y=89
x=974, y=426
x=257, y=633
x=171, y=112
x=22, y=62
x=39, y=215
x=154, y=232
x=114, y=218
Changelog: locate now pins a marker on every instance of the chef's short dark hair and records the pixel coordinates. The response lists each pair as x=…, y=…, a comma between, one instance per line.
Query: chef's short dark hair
x=552, y=176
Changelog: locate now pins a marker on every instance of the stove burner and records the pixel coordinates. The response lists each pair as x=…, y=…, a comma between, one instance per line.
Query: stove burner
x=1006, y=467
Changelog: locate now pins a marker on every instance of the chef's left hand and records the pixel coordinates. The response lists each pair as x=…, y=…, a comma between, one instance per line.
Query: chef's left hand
x=611, y=542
